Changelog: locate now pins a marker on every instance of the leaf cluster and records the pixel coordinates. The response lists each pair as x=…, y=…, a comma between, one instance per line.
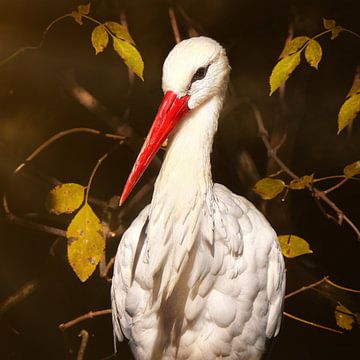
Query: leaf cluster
x=269, y=188
x=290, y=58
x=123, y=43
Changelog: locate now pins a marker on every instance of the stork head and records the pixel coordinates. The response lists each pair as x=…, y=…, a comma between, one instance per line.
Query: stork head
x=195, y=70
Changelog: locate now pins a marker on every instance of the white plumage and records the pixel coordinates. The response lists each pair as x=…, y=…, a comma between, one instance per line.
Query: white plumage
x=199, y=274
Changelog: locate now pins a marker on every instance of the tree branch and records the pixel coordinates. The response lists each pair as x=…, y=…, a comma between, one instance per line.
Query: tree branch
x=19, y=295
x=174, y=24
x=319, y=194
x=84, y=341
x=89, y=315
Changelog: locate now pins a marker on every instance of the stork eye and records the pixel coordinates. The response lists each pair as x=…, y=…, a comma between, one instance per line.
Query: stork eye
x=200, y=74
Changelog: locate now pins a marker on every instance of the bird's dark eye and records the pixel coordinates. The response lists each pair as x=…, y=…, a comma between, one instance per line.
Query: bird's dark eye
x=200, y=74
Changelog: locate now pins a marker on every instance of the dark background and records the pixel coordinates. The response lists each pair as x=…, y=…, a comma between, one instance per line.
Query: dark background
x=36, y=102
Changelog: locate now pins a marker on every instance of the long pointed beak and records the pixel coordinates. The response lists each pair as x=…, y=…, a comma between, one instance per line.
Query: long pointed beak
x=170, y=112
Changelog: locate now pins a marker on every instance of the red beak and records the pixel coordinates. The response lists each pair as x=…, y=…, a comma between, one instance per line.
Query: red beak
x=169, y=114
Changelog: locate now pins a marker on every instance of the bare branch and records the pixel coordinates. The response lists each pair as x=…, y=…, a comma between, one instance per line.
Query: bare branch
x=84, y=341
x=89, y=315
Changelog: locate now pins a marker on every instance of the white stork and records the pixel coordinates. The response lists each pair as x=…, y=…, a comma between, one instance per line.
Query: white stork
x=199, y=274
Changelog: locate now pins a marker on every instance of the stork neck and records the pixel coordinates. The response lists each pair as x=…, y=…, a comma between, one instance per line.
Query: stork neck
x=186, y=167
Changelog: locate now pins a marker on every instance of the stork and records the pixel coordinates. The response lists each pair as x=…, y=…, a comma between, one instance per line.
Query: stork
x=199, y=273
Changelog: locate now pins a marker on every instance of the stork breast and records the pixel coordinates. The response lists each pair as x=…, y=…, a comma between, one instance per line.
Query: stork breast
x=221, y=308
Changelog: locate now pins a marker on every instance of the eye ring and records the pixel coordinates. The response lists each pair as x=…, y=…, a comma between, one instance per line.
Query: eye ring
x=200, y=73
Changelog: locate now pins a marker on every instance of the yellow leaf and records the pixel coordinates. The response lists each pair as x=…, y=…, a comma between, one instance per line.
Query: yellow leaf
x=293, y=246
x=293, y=46
x=130, y=55
x=344, y=317
x=77, y=16
x=301, y=183
x=269, y=188
x=313, y=53
x=352, y=169
x=84, y=9
x=119, y=31
x=65, y=198
x=355, y=88
x=99, y=38
x=348, y=111
x=86, y=242
x=329, y=24
x=282, y=71
x=336, y=31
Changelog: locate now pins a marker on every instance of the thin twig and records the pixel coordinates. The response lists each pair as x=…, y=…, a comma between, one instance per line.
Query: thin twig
x=84, y=341
x=174, y=24
x=342, y=182
x=106, y=269
x=87, y=316
x=341, y=287
x=313, y=285
x=131, y=74
x=19, y=295
x=62, y=134
x=35, y=47
x=305, y=288
x=291, y=316
x=319, y=194
x=30, y=224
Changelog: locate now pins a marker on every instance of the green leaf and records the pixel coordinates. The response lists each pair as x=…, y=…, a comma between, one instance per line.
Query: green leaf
x=348, y=111
x=130, y=55
x=282, y=71
x=84, y=9
x=77, y=16
x=293, y=246
x=313, y=53
x=352, y=169
x=336, y=31
x=329, y=24
x=302, y=182
x=344, y=317
x=65, y=198
x=293, y=46
x=99, y=38
x=355, y=88
x=86, y=242
x=119, y=31
x=269, y=188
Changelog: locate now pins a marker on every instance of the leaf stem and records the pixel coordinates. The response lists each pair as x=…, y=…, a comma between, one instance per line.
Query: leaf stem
x=93, y=174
